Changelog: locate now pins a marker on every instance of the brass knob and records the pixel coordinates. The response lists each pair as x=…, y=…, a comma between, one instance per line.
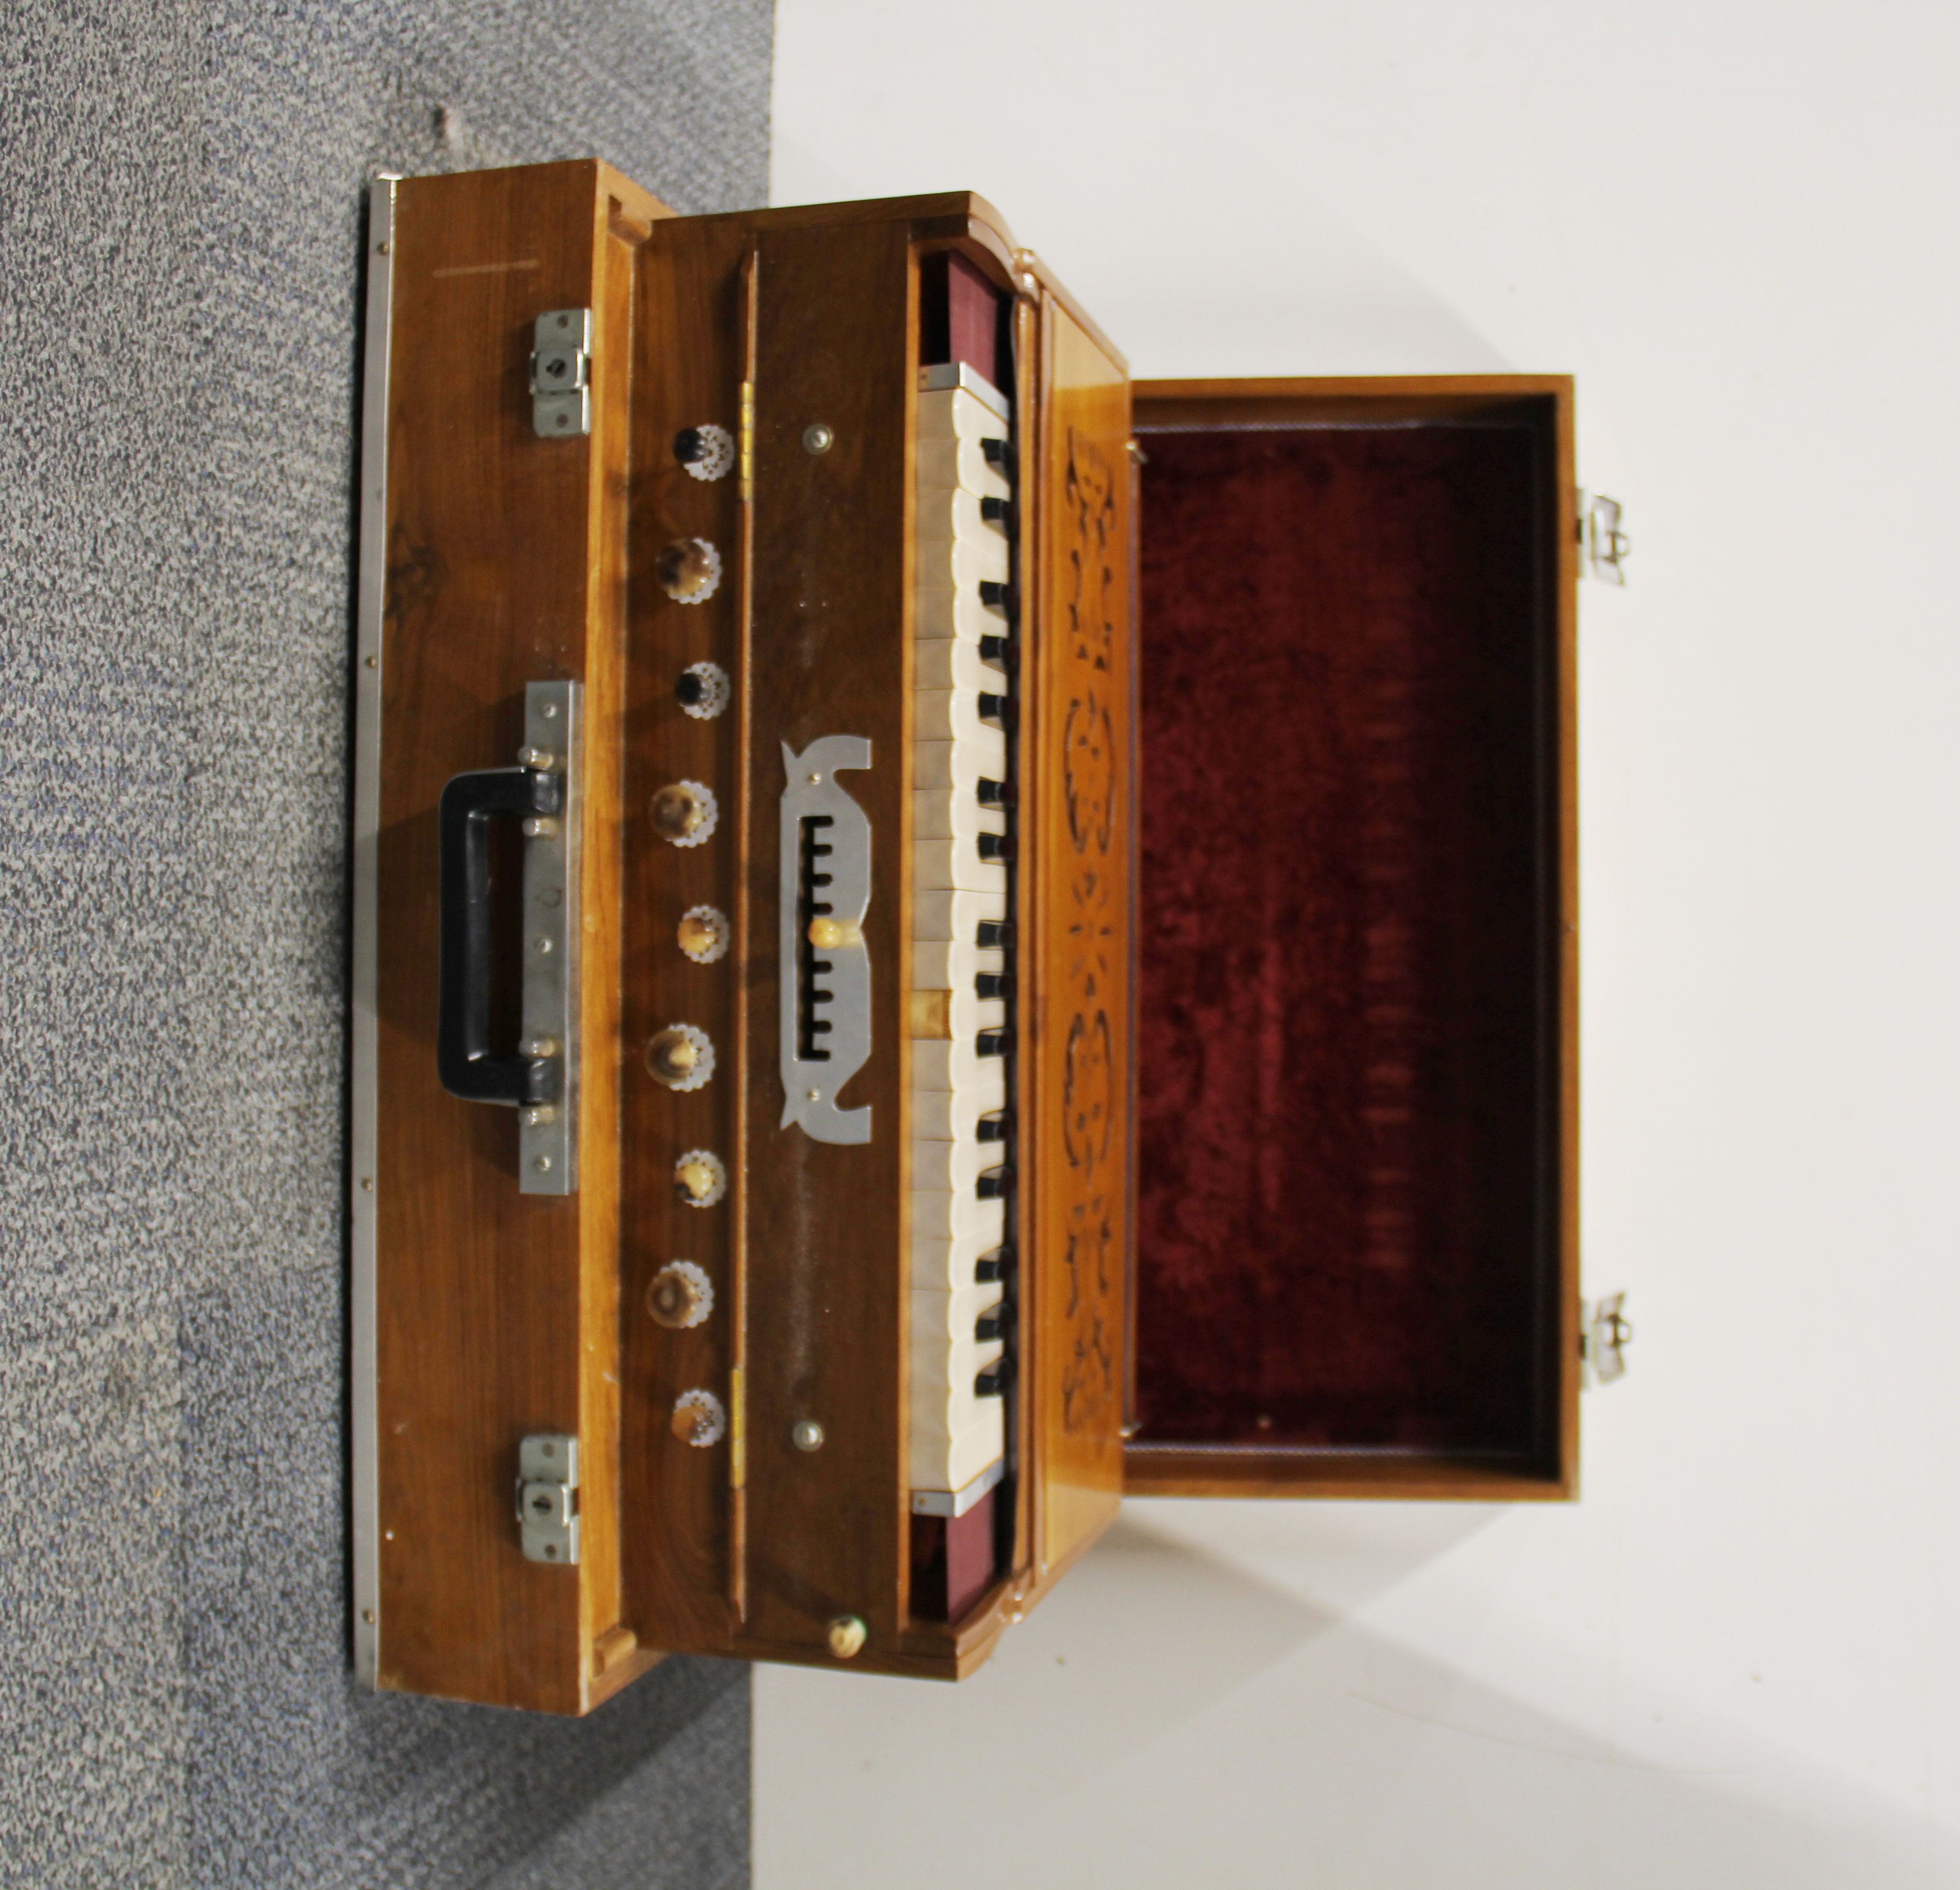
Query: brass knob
x=689, y=569
x=847, y=1636
x=680, y=1297
x=683, y=811
x=681, y=1057
x=832, y=935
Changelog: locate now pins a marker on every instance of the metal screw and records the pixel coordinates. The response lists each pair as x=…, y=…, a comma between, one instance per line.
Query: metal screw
x=543, y=1113
x=367, y=1615
x=544, y=947
x=540, y=827
x=813, y=1095
x=542, y=1164
x=374, y=663
x=539, y=1047
x=548, y=710
x=807, y=1435
x=817, y=438
x=816, y=780
x=367, y=1183
x=528, y=757
x=380, y=249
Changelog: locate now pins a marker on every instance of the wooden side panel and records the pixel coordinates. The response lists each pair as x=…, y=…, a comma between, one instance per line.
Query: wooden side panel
x=826, y=1232
x=677, y=1497
x=495, y=1308
x=1076, y=961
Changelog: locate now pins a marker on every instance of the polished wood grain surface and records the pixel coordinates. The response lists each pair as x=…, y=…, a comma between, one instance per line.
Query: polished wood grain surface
x=496, y=1309
x=677, y=1511
x=1543, y=404
x=1075, y=959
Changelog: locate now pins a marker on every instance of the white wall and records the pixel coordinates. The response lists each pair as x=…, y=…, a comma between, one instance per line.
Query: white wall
x=1735, y=1663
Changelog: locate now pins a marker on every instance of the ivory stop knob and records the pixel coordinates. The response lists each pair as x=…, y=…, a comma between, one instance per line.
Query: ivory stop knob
x=681, y=1057
x=695, y=1180
x=699, y=935
x=678, y=811
x=847, y=1636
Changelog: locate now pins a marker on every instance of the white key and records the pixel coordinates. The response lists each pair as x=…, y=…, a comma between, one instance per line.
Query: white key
x=960, y=564
x=941, y=1214
x=955, y=514
x=962, y=463
x=949, y=663
x=954, y=1115
x=944, y=964
x=953, y=715
x=961, y=766
x=942, y=610
x=953, y=1063
x=954, y=864
x=946, y=1362
x=942, y=1262
x=944, y=813
x=952, y=413
x=951, y=1463
x=954, y=1167
x=957, y=915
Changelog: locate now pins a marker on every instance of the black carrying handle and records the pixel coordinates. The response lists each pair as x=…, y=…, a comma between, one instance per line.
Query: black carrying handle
x=463, y=1054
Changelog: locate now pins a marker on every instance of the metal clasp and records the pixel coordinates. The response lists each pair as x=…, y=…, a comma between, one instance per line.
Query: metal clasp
x=547, y=1480
x=1604, y=1338
x=561, y=373
x=1604, y=545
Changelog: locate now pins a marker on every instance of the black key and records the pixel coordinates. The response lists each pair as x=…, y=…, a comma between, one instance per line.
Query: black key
x=991, y=1128
x=997, y=1265
x=999, y=511
x=994, y=794
x=991, y=1325
x=994, y=1184
x=993, y=984
x=996, y=933
x=688, y=447
x=991, y=1043
x=992, y=1383
x=997, y=846
x=1000, y=455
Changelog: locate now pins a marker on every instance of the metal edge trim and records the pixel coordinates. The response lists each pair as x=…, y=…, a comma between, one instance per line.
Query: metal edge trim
x=364, y=1389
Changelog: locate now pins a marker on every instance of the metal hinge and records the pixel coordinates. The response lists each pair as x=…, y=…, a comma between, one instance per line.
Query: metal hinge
x=1604, y=1336
x=547, y=1482
x=1601, y=541
x=745, y=473
x=561, y=373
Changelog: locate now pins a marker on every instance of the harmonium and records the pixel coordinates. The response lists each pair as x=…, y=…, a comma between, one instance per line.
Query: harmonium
x=940, y=936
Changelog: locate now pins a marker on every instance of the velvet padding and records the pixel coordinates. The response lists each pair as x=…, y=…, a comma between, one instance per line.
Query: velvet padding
x=1346, y=977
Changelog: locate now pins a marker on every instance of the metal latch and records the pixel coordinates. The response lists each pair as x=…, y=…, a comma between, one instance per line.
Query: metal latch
x=1604, y=545
x=1603, y=1338
x=561, y=373
x=547, y=1483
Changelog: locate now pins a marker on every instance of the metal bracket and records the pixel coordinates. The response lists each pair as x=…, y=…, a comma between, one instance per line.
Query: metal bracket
x=548, y=1132
x=825, y=888
x=547, y=1481
x=1605, y=546
x=1603, y=1339
x=561, y=373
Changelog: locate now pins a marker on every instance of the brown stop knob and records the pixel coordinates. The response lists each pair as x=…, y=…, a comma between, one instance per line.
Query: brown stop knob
x=680, y=1296
x=679, y=810
x=688, y=569
x=698, y=1419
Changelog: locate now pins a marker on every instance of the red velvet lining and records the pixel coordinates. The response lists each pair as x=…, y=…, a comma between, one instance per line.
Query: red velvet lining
x=1342, y=1235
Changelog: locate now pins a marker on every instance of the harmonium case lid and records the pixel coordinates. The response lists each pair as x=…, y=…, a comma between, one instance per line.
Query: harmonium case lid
x=1356, y=1269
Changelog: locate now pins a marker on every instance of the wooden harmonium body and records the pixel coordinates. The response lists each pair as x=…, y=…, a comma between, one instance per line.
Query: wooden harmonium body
x=890, y=1004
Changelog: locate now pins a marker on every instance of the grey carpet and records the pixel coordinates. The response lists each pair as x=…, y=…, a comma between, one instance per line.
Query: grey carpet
x=179, y=186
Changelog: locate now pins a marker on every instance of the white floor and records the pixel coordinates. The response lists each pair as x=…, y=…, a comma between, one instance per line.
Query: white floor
x=1735, y=1663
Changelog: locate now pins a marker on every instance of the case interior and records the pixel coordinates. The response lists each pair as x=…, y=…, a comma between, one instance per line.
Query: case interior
x=1350, y=1251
